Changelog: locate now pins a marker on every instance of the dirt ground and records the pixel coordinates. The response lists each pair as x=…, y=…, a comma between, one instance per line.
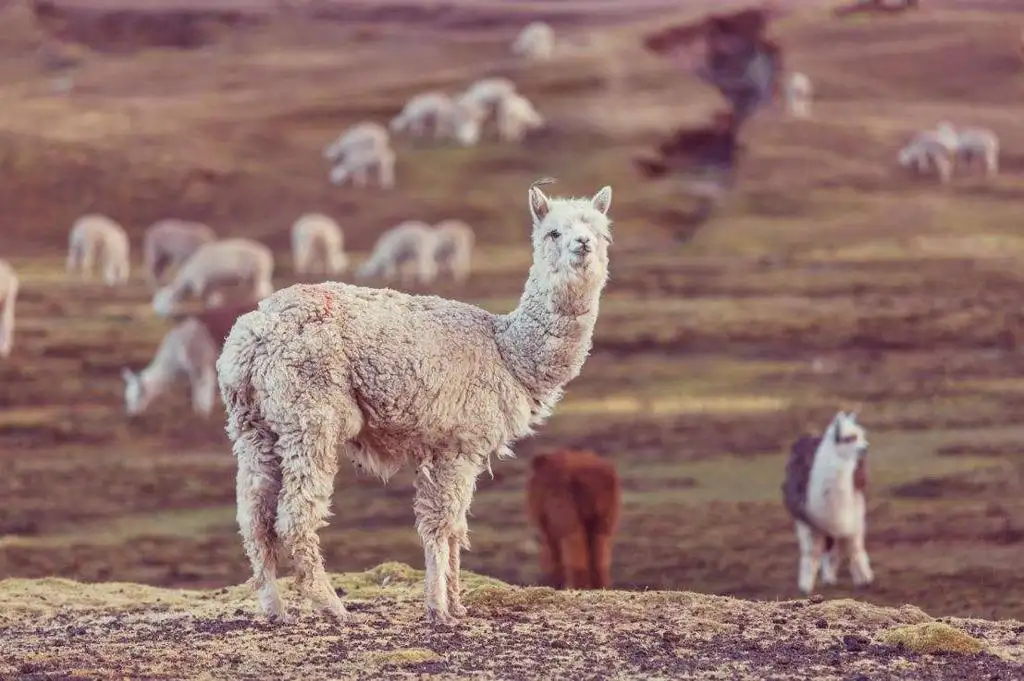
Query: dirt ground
x=830, y=279
x=116, y=631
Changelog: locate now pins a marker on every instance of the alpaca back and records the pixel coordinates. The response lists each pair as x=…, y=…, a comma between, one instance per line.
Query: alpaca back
x=571, y=489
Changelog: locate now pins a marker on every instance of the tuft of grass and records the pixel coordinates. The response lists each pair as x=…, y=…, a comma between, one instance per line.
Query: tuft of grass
x=402, y=657
x=930, y=638
x=504, y=598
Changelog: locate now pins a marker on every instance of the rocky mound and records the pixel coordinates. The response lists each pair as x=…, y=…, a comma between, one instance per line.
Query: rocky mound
x=55, y=628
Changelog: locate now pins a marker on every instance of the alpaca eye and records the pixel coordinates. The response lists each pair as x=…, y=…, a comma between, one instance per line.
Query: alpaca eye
x=553, y=234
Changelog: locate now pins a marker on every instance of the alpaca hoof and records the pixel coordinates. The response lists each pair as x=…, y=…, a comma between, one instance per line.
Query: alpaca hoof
x=281, y=618
x=458, y=610
x=339, y=614
x=442, y=618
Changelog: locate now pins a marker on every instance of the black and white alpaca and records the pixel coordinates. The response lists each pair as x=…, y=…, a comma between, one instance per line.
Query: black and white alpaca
x=825, y=492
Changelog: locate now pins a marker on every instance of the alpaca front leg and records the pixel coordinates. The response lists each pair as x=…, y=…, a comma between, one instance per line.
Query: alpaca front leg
x=812, y=546
x=860, y=565
x=456, y=543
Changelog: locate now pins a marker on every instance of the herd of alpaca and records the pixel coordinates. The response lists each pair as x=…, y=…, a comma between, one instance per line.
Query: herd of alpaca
x=366, y=148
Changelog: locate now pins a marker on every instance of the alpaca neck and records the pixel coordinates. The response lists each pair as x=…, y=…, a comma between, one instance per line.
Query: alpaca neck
x=546, y=339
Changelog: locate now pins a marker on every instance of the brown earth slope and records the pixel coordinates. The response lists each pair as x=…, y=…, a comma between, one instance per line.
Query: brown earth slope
x=829, y=279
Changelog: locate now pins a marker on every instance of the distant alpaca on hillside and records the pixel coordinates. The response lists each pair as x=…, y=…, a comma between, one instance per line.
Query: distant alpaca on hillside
x=799, y=92
x=390, y=379
x=573, y=499
x=318, y=246
x=97, y=237
x=169, y=243
x=188, y=350
x=825, y=492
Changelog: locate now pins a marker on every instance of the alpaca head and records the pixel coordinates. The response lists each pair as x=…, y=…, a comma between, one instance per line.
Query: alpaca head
x=136, y=398
x=163, y=301
x=847, y=437
x=571, y=237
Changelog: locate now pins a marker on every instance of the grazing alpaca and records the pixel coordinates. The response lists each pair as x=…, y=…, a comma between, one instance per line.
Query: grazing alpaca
x=406, y=250
x=169, y=243
x=929, y=151
x=517, y=116
x=825, y=492
x=361, y=136
x=453, y=248
x=8, y=301
x=394, y=379
x=799, y=92
x=318, y=245
x=981, y=145
x=448, y=118
x=227, y=261
x=98, y=237
x=357, y=164
x=189, y=349
x=573, y=499
x=535, y=42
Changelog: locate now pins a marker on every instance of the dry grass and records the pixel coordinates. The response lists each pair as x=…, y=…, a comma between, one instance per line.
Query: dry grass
x=828, y=280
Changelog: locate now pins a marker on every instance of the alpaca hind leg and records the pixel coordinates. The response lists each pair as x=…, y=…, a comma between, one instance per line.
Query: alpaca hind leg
x=812, y=546
x=830, y=562
x=601, y=560
x=551, y=559
x=860, y=564
x=576, y=559
x=308, y=464
x=258, y=484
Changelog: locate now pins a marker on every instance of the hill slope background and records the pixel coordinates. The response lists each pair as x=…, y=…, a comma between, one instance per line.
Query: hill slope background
x=829, y=279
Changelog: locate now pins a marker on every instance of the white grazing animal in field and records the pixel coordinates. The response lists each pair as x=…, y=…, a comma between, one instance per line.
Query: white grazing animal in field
x=318, y=246
x=536, y=42
x=981, y=145
x=799, y=92
x=516, y=116
x=98, y=238
x=438, y=111
x=8, y=301
x=188, y=350
x=357, y=164
x=361, y=136
x=486, y=95
x=169, y=243
x=219, y=263
x=453, y=248
x=407, y=250
x=390, y=379
x=928, y=151
x=825, y=492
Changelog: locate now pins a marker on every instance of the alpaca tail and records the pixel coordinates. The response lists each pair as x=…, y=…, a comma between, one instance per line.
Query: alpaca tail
x=258, y=482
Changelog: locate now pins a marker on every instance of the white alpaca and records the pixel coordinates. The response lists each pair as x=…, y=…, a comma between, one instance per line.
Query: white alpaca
x=358, y=163
x=485, y=97
x=516, y=116
x=453, y=248
x=318, y=245
x=215, y=264
x=536, y=41
x=390, y=379
x=980, y=144
x=447, y=118
x=8, y=301
x=406, y=250
x=98, y=238
x=189, y=350
x=825, y=493
x=169, y=243
x=799, y=92
x=928, y=151
x=365, y=135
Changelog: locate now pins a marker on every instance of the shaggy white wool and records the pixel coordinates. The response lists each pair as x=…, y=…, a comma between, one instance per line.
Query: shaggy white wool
x=394, y=379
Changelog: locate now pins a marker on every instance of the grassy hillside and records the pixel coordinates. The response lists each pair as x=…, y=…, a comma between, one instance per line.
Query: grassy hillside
x=830, y=279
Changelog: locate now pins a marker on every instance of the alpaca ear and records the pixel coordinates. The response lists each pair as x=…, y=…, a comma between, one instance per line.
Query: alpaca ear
x=539, y=204
x=603, y=200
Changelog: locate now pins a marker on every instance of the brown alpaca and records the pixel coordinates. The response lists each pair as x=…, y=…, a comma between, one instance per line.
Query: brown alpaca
x=573, y=499
x=711, y=147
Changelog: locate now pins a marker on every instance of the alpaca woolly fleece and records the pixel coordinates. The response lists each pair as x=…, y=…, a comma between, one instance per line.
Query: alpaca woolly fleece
x=389, y=379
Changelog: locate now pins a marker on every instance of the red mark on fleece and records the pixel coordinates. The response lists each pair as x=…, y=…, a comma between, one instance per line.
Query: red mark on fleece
x=326, y=295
